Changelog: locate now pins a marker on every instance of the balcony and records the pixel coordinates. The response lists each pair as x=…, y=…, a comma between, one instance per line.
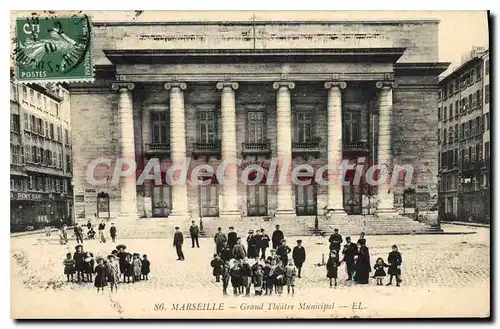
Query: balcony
x=207, y=149
x=306, y=148
x=356, y=147
x=158, y=148
x=260, y=148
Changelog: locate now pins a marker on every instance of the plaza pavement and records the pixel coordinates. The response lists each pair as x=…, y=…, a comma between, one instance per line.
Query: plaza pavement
x=443, y=275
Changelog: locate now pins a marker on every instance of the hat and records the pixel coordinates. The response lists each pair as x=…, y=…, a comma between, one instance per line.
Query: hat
x=177, y=227
x=78, y=246
x=121, y=246
x=111, y=256
x=273, y=250
x=283, y=240
x=299, y=241
x=262, y=230
x=277, y=226
x=251, y=231
x=136, y=254
x=98, y=258
x=394, y=246
x=336, y=230
x=231, y=227
x=114, y=252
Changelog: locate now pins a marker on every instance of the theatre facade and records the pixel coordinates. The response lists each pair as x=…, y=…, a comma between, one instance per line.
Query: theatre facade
x=303, y=92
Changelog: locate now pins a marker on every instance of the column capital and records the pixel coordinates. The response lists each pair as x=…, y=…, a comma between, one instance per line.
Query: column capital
x=339, y=84
x=279, y=84
x=385, y=84
x=123, y=85
x=221, y=85
x=170, y=85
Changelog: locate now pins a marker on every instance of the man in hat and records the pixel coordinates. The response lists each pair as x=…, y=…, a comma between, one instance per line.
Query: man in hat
x=251, y=245
x=239, y=250
x=277, y=237
x=299, y=256
x=194, y=231
x=232, y=237
x=335, y=240
x=283, y=251
x=219, y=239
x=122, y=259
x=350, y=250
x=78, y=233
x=178, y=241
x=263, y=243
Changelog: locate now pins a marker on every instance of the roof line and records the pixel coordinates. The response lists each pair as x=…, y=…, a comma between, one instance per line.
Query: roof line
x=264, y=22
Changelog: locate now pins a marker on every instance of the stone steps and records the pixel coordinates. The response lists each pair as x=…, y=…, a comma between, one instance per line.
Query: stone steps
x=298, y=226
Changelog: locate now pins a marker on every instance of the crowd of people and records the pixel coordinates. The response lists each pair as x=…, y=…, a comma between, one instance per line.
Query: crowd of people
x=244, y=267
x=118, y=266
x=78, y=232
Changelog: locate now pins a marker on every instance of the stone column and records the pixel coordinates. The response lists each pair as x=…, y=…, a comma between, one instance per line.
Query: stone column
x=128, y=191
x=229, y=150
x=334, y=107
x=384, y=150
x=285, y=201
x=178, y=148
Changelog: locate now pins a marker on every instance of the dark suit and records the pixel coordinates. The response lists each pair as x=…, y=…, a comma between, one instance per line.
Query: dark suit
x=335, y=242
x=299, y=257
x=194, y=231
x=178, y=241
x=282, y=252
x=276, y=238
x=350, y=250
x=232, y=237
x=263, y=245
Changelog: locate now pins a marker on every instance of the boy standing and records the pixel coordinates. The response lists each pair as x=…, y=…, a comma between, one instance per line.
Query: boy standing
x=394, y=260
x=217, y=264
x=299, y=256
x=290, y=274
x=112, y=232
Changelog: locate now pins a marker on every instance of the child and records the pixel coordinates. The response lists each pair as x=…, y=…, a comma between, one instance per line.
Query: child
x=268, y=278
x=101, y=277
x=273, y=256
x=394, y=261
x=225, y=278
x=69, y=267
x=246, y=275
x=279, y=277
x=257, y=279
x=62, y=239
x=235, y=273
x=217, y=264
x=290, y=274
x=332, y=266
x=379, y=270
x=112, y=232
x=113, y=272
x=79, y=257
x=145, y=267
x=137, y=267
x=89, y=266
x=128, y=269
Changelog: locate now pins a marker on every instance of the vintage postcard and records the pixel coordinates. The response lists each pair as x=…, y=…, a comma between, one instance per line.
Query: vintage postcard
x=250, y=165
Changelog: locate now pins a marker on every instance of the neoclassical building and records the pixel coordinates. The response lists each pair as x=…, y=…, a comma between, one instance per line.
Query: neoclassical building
x=303, y=92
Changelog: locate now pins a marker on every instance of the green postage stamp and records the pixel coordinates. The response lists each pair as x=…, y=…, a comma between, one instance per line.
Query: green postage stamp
x=53, y=49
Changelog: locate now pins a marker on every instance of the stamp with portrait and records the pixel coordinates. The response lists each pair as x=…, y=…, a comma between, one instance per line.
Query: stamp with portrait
x=53, y=49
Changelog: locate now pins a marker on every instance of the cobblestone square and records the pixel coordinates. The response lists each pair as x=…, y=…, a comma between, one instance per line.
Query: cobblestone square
x=443, y=275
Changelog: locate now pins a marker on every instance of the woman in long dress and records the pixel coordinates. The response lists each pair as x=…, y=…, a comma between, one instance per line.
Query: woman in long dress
x=362, y=267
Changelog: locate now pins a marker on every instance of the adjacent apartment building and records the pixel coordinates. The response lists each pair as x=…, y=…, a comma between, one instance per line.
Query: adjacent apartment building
x=464, y=140
x=40, y=156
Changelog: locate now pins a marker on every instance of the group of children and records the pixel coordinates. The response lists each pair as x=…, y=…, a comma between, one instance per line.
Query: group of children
x=108, y=270
x=267, y=278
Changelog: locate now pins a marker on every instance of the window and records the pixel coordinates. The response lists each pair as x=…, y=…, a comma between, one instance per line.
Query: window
x=34, y=154
x=471, y=76
x=30, y=183
x=456, y=108
x=445, y=113
x=439, y=136
x=455, y=157
x=60, y=161
x=466, y=129
x=487, y=67
x=304, y=127
x=450, y=134
x=27, y=153
x=59, y=134
x=440, y=94
x=46, y=129
x=32, y=123
x=445, y=135
x=45, y=103
x=206, y=127
x=487, y=119
x=439, y=113
x=52, y=131
x=256, y=127
x=68, y=162
x=32, y=97
x=41, y=131
x=54, y=159
x=57, y=109
x=478, y=73
x=473, y=127
x=66, y=135
x=455, y=132
x=25, y=94
x=159, y=128
x=38, y=100
x=26, y=121
x=470, y=102
x=487, y=151
x=42, y=156
x=462, y=157
x=487, y=93
x=462, y=131
x=451, y=110
x=15, y=123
